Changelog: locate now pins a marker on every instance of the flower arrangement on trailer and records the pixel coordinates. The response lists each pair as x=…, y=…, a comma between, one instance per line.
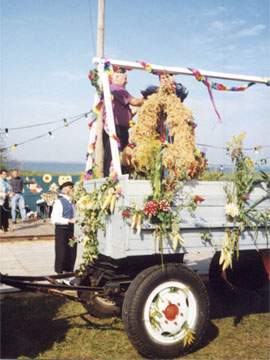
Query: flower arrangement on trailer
x=159, y=208
x=92, y=209
x=240, y=212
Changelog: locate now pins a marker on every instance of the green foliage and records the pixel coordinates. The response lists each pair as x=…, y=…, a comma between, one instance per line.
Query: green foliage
x=239, y=210
x=92, y=211
x=207, y=238
x=215, y=176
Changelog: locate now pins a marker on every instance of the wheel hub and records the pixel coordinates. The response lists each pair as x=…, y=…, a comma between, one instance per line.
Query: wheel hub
x=171, y=312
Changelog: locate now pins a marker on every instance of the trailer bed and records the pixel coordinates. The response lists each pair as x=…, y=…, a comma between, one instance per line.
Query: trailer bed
x=119, y=240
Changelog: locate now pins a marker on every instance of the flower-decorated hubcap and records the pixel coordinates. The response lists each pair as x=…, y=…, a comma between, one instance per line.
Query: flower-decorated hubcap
x=169, y=311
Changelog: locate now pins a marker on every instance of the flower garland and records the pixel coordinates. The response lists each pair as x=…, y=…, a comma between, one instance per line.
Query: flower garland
x=94, y=79
x=239, y=211
x=92, y=209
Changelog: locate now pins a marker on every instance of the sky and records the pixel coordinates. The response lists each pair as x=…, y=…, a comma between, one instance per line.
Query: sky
x=47, y=48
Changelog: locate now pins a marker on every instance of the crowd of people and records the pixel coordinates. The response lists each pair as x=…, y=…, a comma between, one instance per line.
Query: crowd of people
x=11, y=197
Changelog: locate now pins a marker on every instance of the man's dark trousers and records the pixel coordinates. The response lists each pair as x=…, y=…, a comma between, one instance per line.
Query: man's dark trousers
x=65, y=255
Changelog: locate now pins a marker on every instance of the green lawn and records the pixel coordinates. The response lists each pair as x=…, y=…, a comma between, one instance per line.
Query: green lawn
x=46, y=327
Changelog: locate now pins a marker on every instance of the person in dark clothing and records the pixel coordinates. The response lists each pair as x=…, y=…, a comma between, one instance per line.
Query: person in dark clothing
x=17, y=184
x=121, y=101
x=5, y=191
x=180, y=90
x=63, y=216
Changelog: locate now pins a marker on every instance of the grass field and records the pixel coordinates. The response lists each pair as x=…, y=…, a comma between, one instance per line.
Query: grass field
x=46, y=327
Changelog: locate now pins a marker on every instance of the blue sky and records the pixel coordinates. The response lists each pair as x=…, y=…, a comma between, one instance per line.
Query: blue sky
x=47, y=49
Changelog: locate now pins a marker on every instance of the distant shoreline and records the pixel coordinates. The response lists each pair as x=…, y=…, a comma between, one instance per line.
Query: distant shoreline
x=42, y=167
x=39, y=168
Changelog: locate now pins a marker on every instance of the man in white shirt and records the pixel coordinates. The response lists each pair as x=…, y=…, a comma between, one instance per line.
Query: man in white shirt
x=63, y=216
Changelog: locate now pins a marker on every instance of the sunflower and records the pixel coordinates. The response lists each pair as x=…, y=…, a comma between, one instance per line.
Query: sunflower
x=47, y=178
x=64, y=178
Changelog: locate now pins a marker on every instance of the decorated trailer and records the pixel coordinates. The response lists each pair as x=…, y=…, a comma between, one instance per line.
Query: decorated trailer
x=138, y=229
x=143, y=225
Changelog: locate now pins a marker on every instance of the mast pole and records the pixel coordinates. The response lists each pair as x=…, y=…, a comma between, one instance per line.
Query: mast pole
x=99, y=150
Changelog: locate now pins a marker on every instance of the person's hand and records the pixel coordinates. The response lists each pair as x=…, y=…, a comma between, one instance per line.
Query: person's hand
x=71, y=221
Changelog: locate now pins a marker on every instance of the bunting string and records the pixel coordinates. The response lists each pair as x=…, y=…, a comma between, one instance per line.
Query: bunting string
x=65, y=121
x=217, y=86
x=50, y=133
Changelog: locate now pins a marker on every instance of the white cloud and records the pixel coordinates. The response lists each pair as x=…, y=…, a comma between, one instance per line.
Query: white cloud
x=226, y=26
x=69, y=76
x=14, y=21
x=238, y=22
x=217, y=25
x=253, y=31
x=215, y=12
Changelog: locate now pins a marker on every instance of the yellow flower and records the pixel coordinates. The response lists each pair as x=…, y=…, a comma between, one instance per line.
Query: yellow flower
x=249, y=162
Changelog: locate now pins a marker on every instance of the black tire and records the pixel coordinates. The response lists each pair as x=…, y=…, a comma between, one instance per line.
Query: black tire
x=98, y=306
x=135, y=310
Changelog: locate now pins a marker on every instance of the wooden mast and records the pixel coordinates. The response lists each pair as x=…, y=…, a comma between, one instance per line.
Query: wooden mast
x=99, y=150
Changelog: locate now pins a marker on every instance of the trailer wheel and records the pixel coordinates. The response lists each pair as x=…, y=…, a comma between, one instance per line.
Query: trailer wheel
x=98, y=306
x=162, y=308
x=102, y=307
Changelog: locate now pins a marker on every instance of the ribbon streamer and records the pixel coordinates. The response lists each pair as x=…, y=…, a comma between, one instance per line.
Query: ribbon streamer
x=146, y=66
x=216, y=86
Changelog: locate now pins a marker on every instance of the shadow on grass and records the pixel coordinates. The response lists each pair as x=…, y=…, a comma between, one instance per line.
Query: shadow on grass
x=93, y=324
x=28, y=326
x=236, y=304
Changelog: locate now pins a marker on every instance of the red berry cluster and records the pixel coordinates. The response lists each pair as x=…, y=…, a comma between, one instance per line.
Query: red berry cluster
x=164, y=205
x=151, y=208
x=126, y=214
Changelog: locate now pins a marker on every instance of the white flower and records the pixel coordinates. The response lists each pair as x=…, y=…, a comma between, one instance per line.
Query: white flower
x=232, y=210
